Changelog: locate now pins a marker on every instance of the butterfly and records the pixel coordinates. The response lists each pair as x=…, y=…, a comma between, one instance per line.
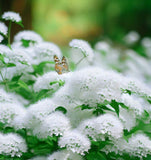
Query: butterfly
x=61, y=67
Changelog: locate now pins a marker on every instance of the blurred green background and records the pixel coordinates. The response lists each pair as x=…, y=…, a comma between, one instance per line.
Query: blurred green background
x=62, y=20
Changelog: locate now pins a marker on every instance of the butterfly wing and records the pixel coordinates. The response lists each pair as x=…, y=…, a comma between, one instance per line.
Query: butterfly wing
x=64, y=65
x=58, y=65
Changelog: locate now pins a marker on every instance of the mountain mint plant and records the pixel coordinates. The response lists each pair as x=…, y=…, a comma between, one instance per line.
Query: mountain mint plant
x=99, y=110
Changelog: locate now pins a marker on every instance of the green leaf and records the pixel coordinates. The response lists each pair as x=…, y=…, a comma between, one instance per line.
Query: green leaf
x=25, y=43
x=95, y=156
x=62, y=109
x=60, y=82
x=42, y=94
x=23, y=85
x=123, y=106
x=2, y=58
x=20, y=23
x=83, y=107
x=39, y=69
x=10, y=65
x=115, y=105
x=16, y=78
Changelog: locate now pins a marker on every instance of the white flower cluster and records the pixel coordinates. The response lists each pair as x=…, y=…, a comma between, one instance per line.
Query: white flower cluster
x=64, y=155
x=12, y=144
x=102, y=126
x=39, y=111
x=84, y=47
x=9, y=112
x=60, y=125
x=4, y=50
x=43, y=82
x=47, y=50
x=138, y=145
x=93, y=85
x=132, y=37
x=28, y=36
x=3, y=28
x=75, y=141
x=102, y=46
x=1, y=38
x=12, y=16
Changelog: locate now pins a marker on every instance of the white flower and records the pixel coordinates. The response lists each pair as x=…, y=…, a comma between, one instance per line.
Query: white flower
x=55, y=124
x=5, y=50
x=46, y=50
x=138, y=87
x=3, y=28
x=39, y=111
x=28, y=36
x=75, y=142
x=43, y=82
x=9, y=97
x=9, y=111
x=64, y=155
x=18, y=70
x=128, y=118
x=38, y=158
x=138, y=145
x=20, y=55
x=12, y=144
x=93, y=85
x=102, y=126
x=1, y=38
x=12, y=16
x=131, y=37
x=132, y=103
x=102, y=46
x=146, y=42
x=84, y=47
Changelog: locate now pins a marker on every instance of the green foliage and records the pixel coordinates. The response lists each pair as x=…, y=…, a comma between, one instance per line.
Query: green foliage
x=62, y=109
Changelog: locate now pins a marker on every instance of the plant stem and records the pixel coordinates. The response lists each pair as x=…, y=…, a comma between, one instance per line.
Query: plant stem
x=80, y=60
x=4, y=81
x=9, y=29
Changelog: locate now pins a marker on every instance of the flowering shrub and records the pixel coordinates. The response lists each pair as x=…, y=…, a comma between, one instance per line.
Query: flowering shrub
x=92, y=112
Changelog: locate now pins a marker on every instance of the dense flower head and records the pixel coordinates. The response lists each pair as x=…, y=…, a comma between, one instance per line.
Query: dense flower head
x=133, y=103
x=39, y=158
x=132, y=37
x=39, y=111
x=12, y=144
x=102, y=46
x=9, y=111
x=46, y=50
x=146, y=42
x=138, y=87
x=93, y=85
x=102, y=126
x=138, y=145
x=75, y=142
x=28, y=36
x=12, y=16
x=3, y=28
x=1, y=38
x=5, y=50
x=84, y=47
x=20, y=55
x=6, y=97
x=55, y=124
x=43, y=82
x=64, y=155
